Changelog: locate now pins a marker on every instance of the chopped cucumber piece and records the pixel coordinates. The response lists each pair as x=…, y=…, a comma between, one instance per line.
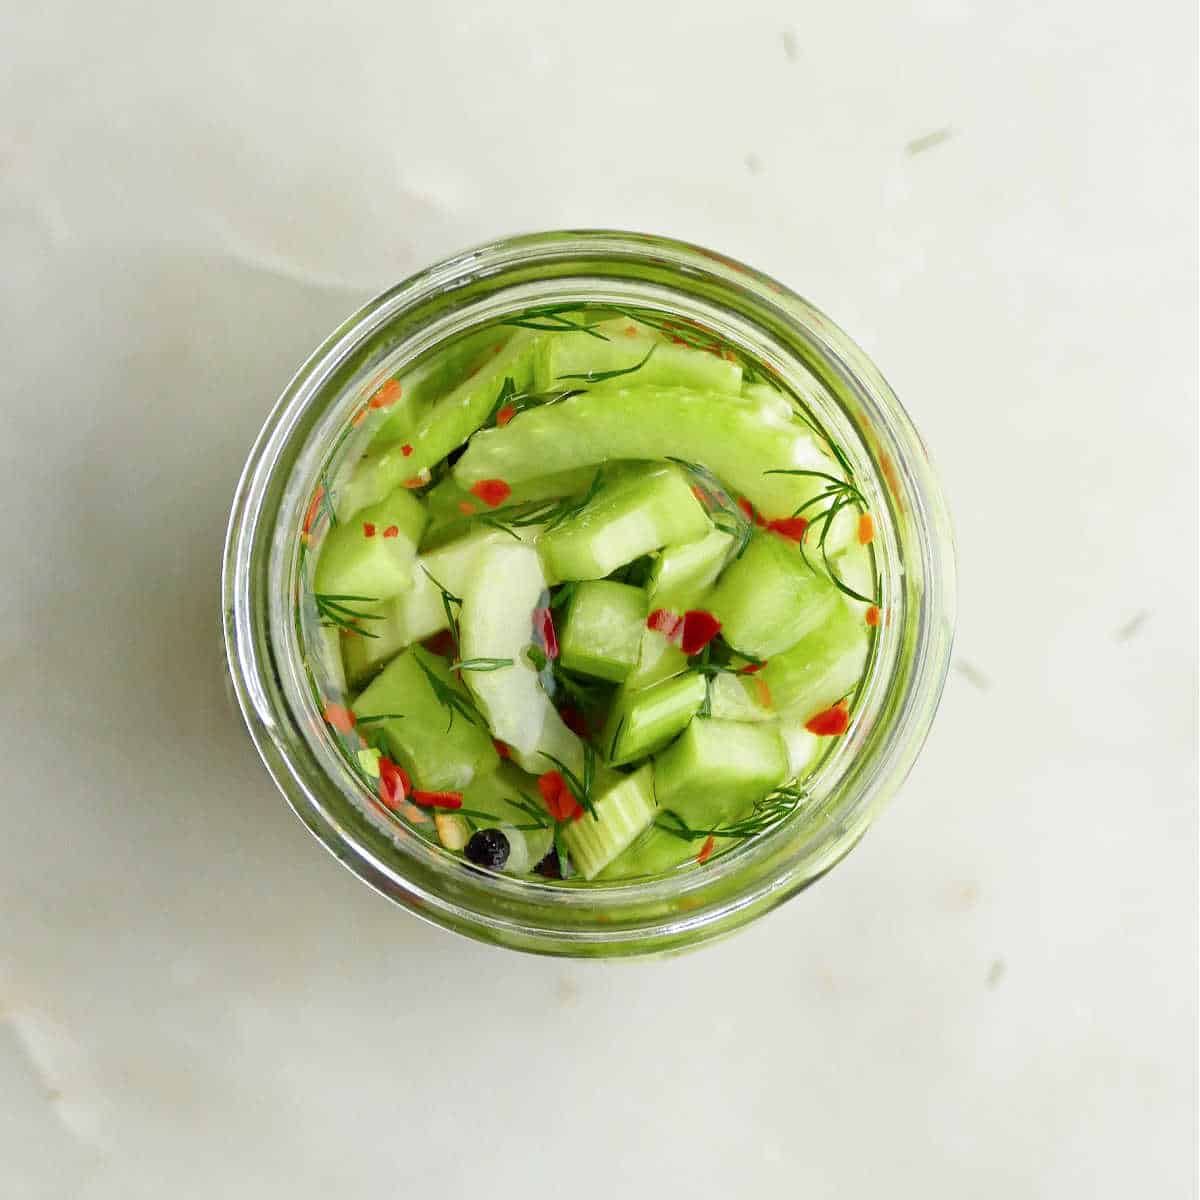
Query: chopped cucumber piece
x=768, y=400
x=603, y=631
x=641, y=722
x=823, y=666
x=627, y=518
x=655, y=853
x=853, y=566
x=658, y=659
x=717, y=768
x=496, y=795
x=623, y=811
x=443, y=748
x=735, y=440
x=372, y=554
x=803, y=748
x=683, y=571
x=582, y=362
x=739, y=698
x=768, y=599
x=421, y=385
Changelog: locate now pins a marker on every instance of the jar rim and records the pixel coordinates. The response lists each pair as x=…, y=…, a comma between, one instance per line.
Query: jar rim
x=754, y=310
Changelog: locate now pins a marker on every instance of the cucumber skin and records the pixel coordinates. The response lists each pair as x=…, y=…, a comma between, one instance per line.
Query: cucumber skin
x=718, y=767
x=602, y=635
x=737, y=441
x=625, y=810
x=650, y=717
x=438, y=758
x=352, y=563
x=627, y=518
x=768, y=599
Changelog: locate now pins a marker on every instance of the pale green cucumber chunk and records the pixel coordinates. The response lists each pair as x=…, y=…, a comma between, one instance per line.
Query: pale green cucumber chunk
x=655, y=853
x=735, y=440
x=431, y=379
x=717, y=768
x=643, y=721
x=634, y=514
x=372, y=554
x=443, y=751
x=768, y=599
x=658, y=659
x=622, y=812
x=739, y=698
x=822, y=667
x=855, y=568
x=494, y=795
x=572, y=361
x=768, y=399
x=681, y=571
x=803, y=748
x=602, y=635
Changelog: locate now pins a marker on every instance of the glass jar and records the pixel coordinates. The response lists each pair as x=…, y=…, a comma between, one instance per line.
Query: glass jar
x=815, y=359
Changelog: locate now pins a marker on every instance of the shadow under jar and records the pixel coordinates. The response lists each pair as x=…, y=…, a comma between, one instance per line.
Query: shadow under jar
x=279, y=647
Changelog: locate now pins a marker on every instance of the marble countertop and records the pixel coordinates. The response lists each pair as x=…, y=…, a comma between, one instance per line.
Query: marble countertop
x=995, y=995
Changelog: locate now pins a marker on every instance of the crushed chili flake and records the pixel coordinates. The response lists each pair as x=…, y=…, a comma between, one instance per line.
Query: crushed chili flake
x=406, y=450
x=466, y=508
x=752, y=668
x=791, y=528
x=506, y=414
x=502, y=748
x=438, y=799
x=873, y=615
x=491, y=491
x=701, y=495
x=420, y=479
x=340, y=717
x=663, y=621
x=360, y=416
x=832, y=722
x=558, y=798
x=392, y=531
x=574, y=720
x=866, y=528
x=699, y=628
x=750, y=512
x=441, y=643
x=543, y=624
x=706, y=850
x=394, y=783
x=313, y=508
x=764, y=693
x=631, y=331
x=387, y=395
x=368, y=529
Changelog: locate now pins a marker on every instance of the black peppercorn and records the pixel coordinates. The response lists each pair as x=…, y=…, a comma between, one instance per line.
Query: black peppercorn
x=488, y=848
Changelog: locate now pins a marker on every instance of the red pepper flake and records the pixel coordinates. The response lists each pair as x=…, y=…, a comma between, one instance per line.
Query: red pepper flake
x=706, y=850
x=873, y=615
x=419, y=480
x=368, y=529
x=663, y=621
x=392, y=531
x=438, y=799
x=699, y=628
x=764, y=693
x=491, y=491
x=394, y=783
x=466, y=508
x=359, y=417
x=543, y=624
x=496, y=349
x=752, y=668
x=574, y=720
x=729, y=356
x=678, y=340
x=630, y=331
x=406, y=450
x=339, y=716
x=791, y=528
x=831, y=722
x=387, y=395
x=313, y=509
x=701, y=495
x=506, y=414
x=866, y=528
x=441, y=643
x=748, y=509
x=558, y=798
x=502, y=748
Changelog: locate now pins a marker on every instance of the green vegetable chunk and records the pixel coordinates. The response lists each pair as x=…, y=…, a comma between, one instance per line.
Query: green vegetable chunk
x=636, y=513
x=430, y=726
x=684, y=571
x=717, y=768
x=372, y=554
x=603, y=632
x=641, y=722
x=623, y=811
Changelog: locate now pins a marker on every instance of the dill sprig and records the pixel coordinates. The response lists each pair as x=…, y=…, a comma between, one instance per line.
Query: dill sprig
x=726, y=515
x=449, y=601
x=573, y=506
x=552, y=318
x=481, y=664
x=766, y=814
x=336, y=610
x=327, y=502
x=581, y=789
x=375, y=718
x=520, y=516
x=449, y=699
x=601, y=376
x=693, y=336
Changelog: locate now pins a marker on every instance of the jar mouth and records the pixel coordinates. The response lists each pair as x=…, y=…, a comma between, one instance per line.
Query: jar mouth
x=757, y=315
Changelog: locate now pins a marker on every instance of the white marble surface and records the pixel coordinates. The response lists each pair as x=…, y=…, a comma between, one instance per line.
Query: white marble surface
x=995, y=996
